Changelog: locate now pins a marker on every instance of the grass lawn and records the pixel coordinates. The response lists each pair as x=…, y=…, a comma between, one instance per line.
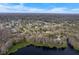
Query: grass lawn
x=22, y=44
x=17, y=46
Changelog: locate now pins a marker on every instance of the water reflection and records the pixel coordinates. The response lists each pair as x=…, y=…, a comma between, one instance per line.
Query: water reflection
x=37, y=50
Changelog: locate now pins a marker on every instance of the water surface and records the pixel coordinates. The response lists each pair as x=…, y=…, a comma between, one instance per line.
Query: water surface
x=34, y=50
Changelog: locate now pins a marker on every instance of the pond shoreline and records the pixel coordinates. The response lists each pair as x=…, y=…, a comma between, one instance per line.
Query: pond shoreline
x=42, y=50
x=40, y=46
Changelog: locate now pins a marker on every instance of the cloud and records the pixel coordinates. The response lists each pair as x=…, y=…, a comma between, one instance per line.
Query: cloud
x=57, y=10
x=21, y=8
x=77, y=9
x=12, y=8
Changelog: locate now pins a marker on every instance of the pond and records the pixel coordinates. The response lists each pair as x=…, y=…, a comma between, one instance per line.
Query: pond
x=36, y=50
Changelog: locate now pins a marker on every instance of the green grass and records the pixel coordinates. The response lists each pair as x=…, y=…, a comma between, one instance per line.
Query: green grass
x=17, y=46
x=22, y=44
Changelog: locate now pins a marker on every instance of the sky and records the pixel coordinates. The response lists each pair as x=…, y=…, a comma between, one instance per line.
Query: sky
x=39, y=8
